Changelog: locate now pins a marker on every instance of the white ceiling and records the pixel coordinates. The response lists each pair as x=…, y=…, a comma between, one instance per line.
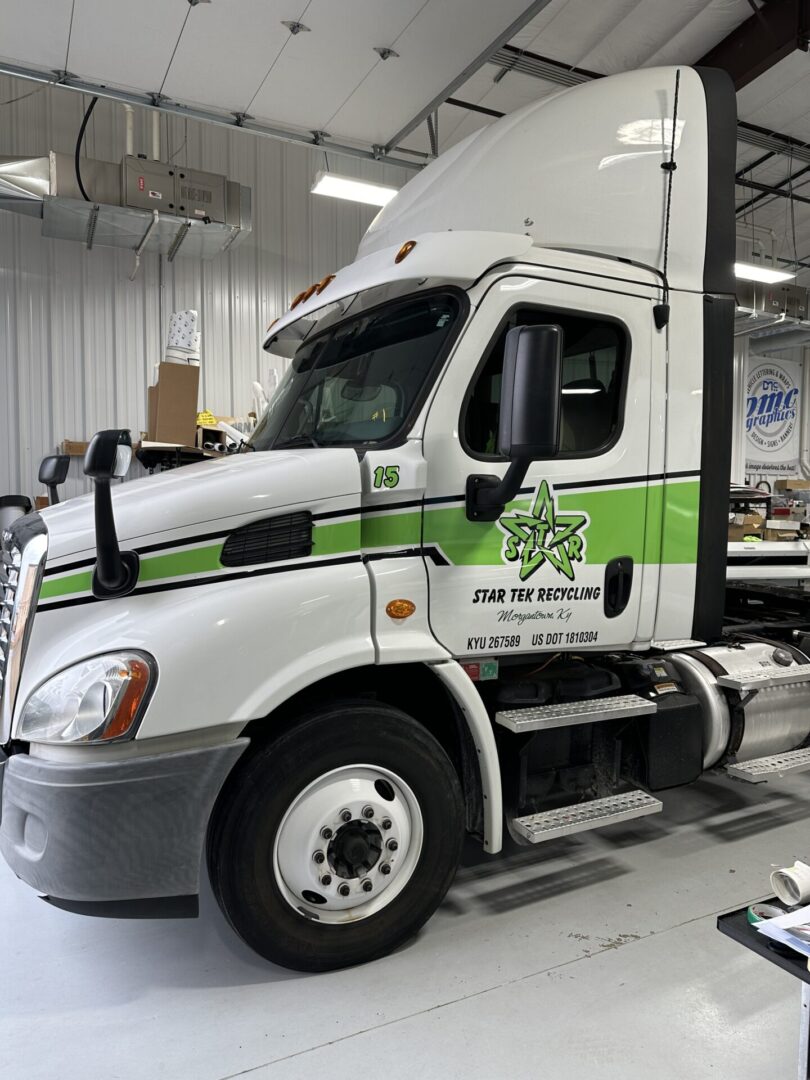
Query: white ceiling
x=235, y=56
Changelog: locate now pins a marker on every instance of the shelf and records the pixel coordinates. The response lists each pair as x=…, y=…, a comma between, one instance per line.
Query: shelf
x=770, y=548
x=768, y=573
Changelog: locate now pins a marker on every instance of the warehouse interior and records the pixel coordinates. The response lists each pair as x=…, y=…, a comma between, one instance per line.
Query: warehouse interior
x=178, y=185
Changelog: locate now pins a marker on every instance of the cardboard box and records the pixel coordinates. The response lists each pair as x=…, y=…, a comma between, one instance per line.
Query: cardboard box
x=742, y=525
x=792, y=485
x=781, y=529
x=172, y=405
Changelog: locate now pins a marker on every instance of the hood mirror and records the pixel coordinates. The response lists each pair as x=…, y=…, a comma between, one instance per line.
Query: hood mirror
x=107, y=458
x=53, y=471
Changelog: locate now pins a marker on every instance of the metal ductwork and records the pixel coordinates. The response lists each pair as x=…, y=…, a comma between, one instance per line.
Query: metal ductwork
x=137, y=204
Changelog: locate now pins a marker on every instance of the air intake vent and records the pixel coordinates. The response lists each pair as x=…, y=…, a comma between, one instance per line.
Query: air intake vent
x=288, y=536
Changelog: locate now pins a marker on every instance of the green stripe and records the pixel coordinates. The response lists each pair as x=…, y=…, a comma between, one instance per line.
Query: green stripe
x=656, y=524
x=63, y=586
x=392, y=530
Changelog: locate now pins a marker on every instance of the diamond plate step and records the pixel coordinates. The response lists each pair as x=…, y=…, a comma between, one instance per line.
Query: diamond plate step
x=756, y=679
x=542, y=717
x=584, y=816
x=766, y=768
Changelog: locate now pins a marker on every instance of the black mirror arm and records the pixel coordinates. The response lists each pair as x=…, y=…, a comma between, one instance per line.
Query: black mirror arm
x=488, y=495
x=116, y=572
x=53, y=494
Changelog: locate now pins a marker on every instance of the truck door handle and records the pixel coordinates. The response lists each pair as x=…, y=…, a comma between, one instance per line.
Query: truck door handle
x=618, y=585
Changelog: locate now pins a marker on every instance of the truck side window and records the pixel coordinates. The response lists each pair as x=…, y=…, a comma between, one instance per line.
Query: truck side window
x=594, y=361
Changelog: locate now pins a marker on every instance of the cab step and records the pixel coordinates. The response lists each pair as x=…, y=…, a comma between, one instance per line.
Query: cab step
x=544, y=717
x=767, y=768
x=581, y=817
x=756, y=679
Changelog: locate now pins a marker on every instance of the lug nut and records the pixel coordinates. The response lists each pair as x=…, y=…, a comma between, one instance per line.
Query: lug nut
x=319, y=856
x=326, y=832
x=385, y=868
x=386, y=823
x=368, y=812
x=367, y=886
x=345, y=815
x=344, y=889
x=392, y=845
x=326, y=879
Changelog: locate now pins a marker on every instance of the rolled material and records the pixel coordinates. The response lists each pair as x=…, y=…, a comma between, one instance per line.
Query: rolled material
x=792, y=884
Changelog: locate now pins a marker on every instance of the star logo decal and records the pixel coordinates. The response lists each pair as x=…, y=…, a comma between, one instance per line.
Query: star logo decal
x=541, y=535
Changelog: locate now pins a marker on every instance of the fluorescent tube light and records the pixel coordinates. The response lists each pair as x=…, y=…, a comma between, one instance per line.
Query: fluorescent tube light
x=344, y=187
x=758, y=272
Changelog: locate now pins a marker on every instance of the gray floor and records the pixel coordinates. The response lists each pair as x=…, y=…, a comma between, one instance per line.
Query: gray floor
x=593, y=957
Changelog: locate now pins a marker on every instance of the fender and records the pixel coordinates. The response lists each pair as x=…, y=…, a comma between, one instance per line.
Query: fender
x=465, y=695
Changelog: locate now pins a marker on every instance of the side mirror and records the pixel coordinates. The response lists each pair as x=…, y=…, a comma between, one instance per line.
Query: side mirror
x=530, y=416
x=53, y=471
x=107, y=458
x=531, y=393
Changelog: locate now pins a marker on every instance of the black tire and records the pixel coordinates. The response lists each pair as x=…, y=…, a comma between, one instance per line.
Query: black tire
x=256, y=797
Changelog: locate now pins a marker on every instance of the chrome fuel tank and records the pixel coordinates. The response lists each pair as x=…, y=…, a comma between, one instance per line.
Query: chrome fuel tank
x=760, y=710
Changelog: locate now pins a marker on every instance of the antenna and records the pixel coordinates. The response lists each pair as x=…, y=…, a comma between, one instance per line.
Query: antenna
x=661, y=311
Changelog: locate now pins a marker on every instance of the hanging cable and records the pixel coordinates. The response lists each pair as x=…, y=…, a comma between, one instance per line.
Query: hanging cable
x=661, y=311
x=76, y=158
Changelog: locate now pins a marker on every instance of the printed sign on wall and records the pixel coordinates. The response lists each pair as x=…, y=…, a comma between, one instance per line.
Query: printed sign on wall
x=772, y=416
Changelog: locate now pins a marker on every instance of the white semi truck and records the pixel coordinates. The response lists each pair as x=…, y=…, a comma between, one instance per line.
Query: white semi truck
x=468, y=575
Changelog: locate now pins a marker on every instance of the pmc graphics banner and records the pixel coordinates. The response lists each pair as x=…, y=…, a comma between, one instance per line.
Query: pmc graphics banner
x=772, y=416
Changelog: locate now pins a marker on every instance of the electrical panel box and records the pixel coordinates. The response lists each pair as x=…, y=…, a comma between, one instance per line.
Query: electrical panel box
x=199, y=194
x=149, y=185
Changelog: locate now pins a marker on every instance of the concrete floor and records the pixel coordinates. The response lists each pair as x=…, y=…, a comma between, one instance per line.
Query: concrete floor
x=595, y=957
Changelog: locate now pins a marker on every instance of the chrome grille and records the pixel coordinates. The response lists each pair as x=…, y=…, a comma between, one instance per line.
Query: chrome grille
x=10, y=562
x=22, y=559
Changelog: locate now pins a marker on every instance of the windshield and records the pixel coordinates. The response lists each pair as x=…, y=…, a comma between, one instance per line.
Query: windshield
x=357, y=383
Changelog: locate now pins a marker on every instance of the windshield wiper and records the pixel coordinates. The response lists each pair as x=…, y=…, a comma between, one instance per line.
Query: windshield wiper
x=296, y=440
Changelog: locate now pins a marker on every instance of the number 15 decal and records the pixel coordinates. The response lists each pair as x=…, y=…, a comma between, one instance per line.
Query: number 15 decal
x=386, y=477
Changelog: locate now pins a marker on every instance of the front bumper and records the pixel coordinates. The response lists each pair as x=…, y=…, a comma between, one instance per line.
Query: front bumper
x=121, y=837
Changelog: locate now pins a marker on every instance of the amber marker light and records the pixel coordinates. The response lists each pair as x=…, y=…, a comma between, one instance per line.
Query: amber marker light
x=323, y=283
x=404, y=251
x=400, y=609
x=127, y=709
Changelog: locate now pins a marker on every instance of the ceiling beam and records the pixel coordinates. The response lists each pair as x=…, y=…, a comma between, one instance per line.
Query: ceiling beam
x=240, y=121
x=766, y=189
x=542, y=67
x=514, y=27
x=783, y=188
x=773, y=32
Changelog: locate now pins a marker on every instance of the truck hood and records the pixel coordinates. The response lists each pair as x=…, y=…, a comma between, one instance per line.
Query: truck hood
x=211, y=497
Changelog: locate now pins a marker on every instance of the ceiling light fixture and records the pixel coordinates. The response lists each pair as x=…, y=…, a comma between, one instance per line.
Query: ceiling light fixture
x=345, y=187
x=759, y=272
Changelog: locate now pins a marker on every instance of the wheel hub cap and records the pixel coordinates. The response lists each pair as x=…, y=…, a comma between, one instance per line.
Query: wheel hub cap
x=348, y=844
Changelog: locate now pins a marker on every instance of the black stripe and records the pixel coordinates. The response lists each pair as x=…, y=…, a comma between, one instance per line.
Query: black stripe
x=610, y=482
x=427, y=552
x=145, y=549
x=169, y=586
x=410, y=504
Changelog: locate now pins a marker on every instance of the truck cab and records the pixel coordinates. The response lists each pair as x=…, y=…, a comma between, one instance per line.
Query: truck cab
x=466, y=578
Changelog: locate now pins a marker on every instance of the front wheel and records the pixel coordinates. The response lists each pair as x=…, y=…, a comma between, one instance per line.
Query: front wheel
x=336, y=842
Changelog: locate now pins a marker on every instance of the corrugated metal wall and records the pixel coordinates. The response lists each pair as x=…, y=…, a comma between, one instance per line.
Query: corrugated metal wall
x=78, y=339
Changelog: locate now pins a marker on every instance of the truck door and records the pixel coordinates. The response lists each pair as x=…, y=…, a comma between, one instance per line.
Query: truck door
x=563, y=568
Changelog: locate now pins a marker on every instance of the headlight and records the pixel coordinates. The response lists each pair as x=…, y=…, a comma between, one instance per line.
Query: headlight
x=97, y=700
